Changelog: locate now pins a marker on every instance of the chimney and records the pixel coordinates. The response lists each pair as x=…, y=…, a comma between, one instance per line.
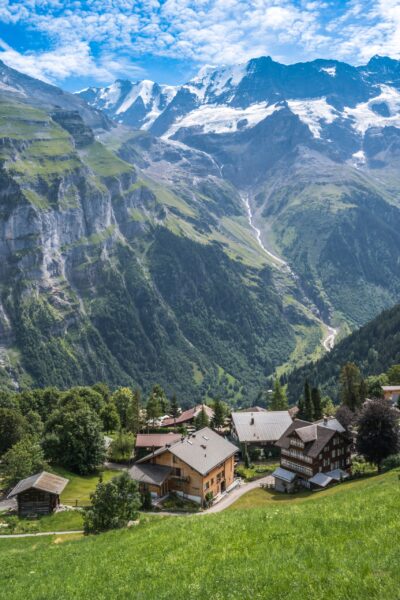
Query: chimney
x=325, y=421
x=251, y=419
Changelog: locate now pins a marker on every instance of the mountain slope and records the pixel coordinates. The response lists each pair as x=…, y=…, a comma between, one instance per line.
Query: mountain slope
x=315, y=147
x=131, y=269
x=374, y=348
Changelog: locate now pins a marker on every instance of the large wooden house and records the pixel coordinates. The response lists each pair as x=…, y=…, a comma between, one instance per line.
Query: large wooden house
x=38, y=494
x=312, y=455
x=198, y=466
x=260, y=428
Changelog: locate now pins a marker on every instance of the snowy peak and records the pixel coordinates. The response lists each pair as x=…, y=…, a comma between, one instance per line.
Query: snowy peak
x=135, y=103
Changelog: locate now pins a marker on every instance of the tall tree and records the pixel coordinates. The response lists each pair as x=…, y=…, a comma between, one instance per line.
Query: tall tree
x=174, y=409
x=219, y=414
x=134, y=422
x=316, y=403
x=13, y=426
x=308, y=405
x=278, y=400
x=122, y=398
x=110, y=417
x=74, y=438
x=350, y=382
x=378, y=432
x=25, y=458
x=202, y=419
x=154, y=407
x=393, y=375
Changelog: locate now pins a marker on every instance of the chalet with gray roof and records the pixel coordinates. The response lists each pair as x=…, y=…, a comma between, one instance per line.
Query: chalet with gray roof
x=317, y=454
x=198, y=466
x=261, y=428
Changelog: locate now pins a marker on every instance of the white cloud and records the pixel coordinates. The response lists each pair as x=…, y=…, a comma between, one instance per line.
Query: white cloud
x=201, y=31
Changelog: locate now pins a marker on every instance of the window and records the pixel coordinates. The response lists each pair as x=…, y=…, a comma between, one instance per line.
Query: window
x=177, y=472
x=174, y=458
x=206, y=485
x=212, y=481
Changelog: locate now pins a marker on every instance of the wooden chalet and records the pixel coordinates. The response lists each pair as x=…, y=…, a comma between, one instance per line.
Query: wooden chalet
x=312, y=455
x=199, y=464
x=188, y=417
x=38, y=494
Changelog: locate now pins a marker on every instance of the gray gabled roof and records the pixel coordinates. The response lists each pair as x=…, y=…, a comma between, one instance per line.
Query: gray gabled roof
x=261, y=427
x=46, y=482
x=338, y=474
x=283, y=474
x=149, y=473
x=202, y=451
x=331, y=423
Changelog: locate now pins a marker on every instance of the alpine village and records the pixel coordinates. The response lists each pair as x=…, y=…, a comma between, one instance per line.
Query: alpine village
x=199, y=300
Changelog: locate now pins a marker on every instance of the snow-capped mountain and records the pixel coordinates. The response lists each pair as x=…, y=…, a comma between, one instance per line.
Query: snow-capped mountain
x=134, y=103
x=337, y=102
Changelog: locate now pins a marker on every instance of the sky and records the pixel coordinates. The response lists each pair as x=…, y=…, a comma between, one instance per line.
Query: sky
x=79, y=43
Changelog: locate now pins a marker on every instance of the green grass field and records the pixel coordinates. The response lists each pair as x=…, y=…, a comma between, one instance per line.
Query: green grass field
x=335, y=545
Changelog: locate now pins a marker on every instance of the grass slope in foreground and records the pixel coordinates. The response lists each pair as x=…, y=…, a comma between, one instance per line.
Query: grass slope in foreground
x=339, y=545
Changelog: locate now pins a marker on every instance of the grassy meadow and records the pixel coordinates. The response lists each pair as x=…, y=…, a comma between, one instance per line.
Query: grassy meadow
x=339, y=544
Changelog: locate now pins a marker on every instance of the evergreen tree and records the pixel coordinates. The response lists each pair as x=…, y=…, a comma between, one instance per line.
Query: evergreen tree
x=174, y=409
x=378, y=432
x=279, y=399
x=317, y=404
x=301, y=407
x=308, y=405
x=393, y=375
x=202, y=419
x=219, y=415
x=350, y=382
x=133, y=420
x=153, y=407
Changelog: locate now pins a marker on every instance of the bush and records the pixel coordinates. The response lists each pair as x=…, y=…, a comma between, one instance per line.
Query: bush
x=114, y=504
x=121, y=449
x=391, y=462
x=146, y=501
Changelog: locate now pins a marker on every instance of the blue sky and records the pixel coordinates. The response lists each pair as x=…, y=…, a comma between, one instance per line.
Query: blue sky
x=92, y=42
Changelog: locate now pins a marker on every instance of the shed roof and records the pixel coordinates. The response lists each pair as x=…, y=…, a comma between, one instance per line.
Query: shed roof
x=283, y=474
x=338, y=474
x=262, y=426
x=391, y=388
x=150, y=473
x=44, y=481
x=202, y=451
x=320, y=479
x=156, y=440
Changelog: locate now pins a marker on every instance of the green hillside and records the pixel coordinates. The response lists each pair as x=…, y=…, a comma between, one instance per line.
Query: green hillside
x=374, y=348
x=342, y=543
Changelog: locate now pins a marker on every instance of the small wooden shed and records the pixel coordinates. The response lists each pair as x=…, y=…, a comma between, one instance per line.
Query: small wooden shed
x=38, y=494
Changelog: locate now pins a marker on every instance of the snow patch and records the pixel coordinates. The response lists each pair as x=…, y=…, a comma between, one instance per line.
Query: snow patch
x=358, y=159
x=314, y=113
x=223, y=119
x=110, y=95
x=330, y=70
x=364, y=117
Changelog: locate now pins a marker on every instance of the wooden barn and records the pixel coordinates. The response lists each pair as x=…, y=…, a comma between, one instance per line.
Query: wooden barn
x=38, y=494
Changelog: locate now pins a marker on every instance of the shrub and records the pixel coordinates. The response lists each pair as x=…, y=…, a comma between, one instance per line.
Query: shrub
x=121, y=449
x=391, y=462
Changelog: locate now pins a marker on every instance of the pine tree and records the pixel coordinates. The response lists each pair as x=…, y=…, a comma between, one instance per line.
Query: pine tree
x=202, y=419
x=219, y=415
x=279, y=399
x=133, y=414
x=174, y=407
x=350, y=382
x=316, y=403
x=308, y=405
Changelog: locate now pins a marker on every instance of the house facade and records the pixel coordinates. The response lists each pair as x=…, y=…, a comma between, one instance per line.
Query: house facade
x=315, y=453
x=391, y=393
x=198, y=465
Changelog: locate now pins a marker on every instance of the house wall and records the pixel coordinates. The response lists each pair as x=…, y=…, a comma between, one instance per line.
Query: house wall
x=36, y=502
x=335, y=455
x=189, y=482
